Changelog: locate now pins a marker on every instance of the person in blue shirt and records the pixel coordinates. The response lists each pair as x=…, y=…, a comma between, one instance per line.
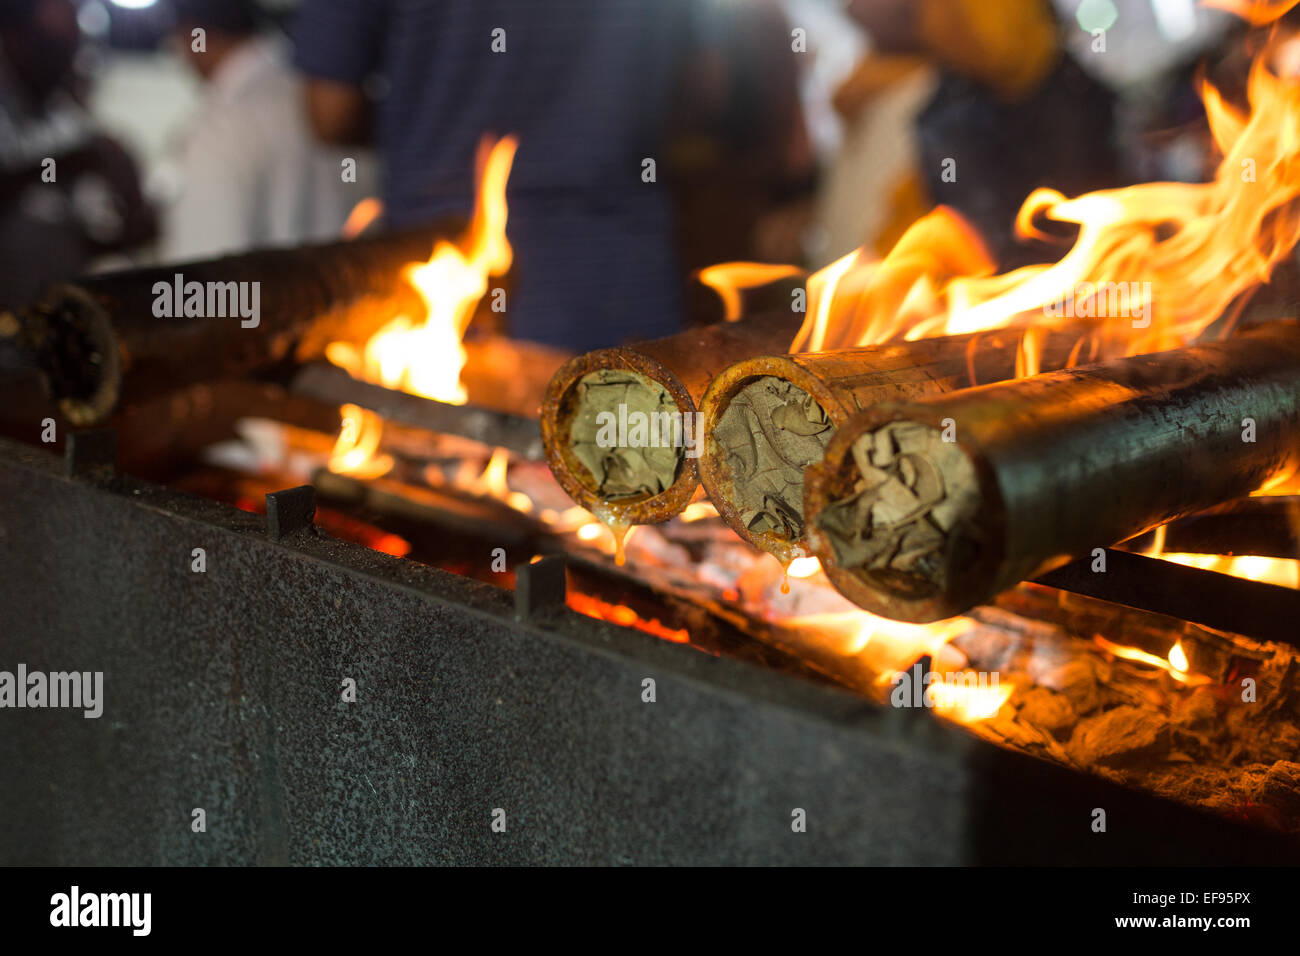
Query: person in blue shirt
x=587, y=87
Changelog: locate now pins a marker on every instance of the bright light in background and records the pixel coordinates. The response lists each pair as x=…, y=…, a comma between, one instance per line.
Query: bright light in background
x=93, y=19
x=133, y=4
x=1175, y=18
x=1096, y=15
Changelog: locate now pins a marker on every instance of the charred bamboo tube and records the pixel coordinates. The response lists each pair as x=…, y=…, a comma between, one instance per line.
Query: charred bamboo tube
x=766, y=419
x=101, y=340
x=921, y=511
x=333, y=385
x=628, y=481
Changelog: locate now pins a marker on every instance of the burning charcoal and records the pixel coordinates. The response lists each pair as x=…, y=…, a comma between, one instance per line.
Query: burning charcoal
x=1195, y=721
x=1275, y=740
x=1280, y=788
x=1197, y=711
x=1119, y=737
x=1008, y=730
x=1050, y=712
x=989, y=648
x=1080, y=680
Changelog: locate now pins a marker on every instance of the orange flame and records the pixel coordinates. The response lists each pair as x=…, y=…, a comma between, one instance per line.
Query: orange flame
x=1284, y=572
x=356, y=449
x=1175, y=665
x=859, y=301
x=624, y=616
x=1255, y=12
x=968, y=703
x=729, y=278
x=889, y=648
x=425, y=357
x=1154, y=265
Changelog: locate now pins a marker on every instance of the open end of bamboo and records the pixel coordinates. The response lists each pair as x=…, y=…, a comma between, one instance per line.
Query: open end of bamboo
x=620, y=437
x=899, y=515
x=764, y=435
x=626, y=431
x=71, y=338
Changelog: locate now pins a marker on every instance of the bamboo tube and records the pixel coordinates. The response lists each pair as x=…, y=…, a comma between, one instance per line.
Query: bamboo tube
x=97, y=341
x=767, y=418
x=625, y=486
x=921, y=511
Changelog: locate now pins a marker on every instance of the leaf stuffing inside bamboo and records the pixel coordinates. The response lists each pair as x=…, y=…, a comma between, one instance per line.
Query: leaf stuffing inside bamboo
x=770, y=432
x=914, y=496
x=616, y=434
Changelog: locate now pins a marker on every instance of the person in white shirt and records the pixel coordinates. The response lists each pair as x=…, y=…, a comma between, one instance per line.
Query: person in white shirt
x=250, y=172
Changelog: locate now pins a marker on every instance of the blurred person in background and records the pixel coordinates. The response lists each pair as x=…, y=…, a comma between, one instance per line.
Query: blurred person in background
x=589, y=88
x=68, y=193
x=1012, y=96
x=742, y=157
x=250, y=172
x=971, y=105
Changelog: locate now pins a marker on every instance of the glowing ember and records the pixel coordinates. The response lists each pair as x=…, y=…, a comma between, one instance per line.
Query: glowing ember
x=625, y=617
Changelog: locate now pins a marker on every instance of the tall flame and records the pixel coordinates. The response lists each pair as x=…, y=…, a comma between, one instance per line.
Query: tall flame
x=1153, y=265
x=425, y=356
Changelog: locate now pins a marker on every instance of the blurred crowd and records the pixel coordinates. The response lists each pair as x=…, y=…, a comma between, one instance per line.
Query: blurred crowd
x=140, y=131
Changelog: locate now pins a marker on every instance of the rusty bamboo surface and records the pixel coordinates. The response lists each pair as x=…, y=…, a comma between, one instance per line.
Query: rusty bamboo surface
x=97, y=340
x=1072, y=461
x=683, y=364
x=844, y=382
